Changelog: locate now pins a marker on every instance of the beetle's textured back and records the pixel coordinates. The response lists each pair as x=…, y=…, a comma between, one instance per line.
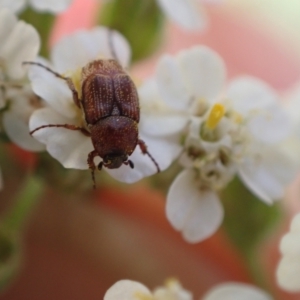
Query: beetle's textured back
x=107, y=90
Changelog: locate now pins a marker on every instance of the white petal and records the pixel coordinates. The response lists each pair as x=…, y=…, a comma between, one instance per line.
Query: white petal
x=53, y=90
x=20, y=43
x=203, y=72
x=70, y=148
x=196, y=213
x=164, y=151
x=161, y=125
x=7, y=23
x=127, y=290
x=236, y=291
x=170, y=84
x=18, y=132
x=78, y=49
x=158, y=119
x=268, y=176
x=15, y=5
x=184, y=12
x=270, y=125
x=249, y=94
x=55, y=6
x=295, y=225
x=290, y=244
x=288, y=273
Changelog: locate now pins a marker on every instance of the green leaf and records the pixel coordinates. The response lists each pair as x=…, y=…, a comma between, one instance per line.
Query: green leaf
x=247, y=219
x=140, y=21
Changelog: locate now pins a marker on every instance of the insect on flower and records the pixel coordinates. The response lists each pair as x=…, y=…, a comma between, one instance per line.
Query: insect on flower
x=110, y=106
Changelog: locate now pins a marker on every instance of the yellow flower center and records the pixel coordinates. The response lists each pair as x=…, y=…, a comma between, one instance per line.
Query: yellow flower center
x=216, y=114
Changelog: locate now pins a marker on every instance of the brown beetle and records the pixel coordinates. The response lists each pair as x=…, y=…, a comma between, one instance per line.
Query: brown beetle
x=110, y=106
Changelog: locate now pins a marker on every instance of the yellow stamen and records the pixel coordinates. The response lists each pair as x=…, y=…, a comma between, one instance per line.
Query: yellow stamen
x=215, y=115
x=236, y=117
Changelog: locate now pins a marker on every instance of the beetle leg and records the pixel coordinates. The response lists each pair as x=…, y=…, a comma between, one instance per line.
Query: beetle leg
x=130, y=163
x=67, y=79
x=92, y=166
x=143, y=147
x=67, y=126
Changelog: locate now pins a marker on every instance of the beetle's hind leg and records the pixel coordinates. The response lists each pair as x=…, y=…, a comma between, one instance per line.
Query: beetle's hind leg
x=144, y=149
x=67, y=79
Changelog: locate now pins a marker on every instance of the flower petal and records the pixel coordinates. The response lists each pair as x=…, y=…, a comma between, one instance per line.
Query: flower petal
x=54, y=6
x=288, y=273
x=203, y=72
x=18, y=132
x=196, y=213
x=89, y=45
x=70, y=148
x=157, y=119
x=268, y=175
x=236, y=291
x=127, y=290
x=52, y=89
x=271, y=125
x=261, y=107
x=15, y=6
x=288, y=270
x=20, y=43
x=170, y=84
x=184, y=12
x=250, y=94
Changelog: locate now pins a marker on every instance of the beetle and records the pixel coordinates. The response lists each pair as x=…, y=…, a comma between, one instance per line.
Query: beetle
x=110, y=105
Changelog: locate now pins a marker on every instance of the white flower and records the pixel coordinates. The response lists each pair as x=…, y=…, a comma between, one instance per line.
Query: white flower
x=240, y=130
x=71, y=148
x=19, y=42
x=53, y=6
x=188, y=14
x=288, y=270
x=132, y=290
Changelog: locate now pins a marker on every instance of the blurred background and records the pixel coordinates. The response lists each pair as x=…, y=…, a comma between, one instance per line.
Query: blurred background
x=76, y=245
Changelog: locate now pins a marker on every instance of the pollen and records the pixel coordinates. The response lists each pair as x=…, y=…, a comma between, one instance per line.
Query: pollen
x=215, y=115
x=75, y=75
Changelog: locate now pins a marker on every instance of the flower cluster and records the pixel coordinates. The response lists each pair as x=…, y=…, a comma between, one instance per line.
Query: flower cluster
x=19, y=42
x=239, y=129
x=132, y=290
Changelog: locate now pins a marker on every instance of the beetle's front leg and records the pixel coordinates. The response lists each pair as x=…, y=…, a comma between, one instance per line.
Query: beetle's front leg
x=144, y=149
x=92, y=165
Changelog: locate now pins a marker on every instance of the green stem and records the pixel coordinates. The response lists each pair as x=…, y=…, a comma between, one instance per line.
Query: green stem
x=24, y=203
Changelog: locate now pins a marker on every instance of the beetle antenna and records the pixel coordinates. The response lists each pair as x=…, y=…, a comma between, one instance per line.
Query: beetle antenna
x=111, y=44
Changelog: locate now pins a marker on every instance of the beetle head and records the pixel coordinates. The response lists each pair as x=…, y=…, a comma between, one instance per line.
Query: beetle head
x=114, y=161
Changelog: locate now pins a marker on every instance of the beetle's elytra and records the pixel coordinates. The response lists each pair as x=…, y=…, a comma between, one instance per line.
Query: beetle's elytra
x=110, y=105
